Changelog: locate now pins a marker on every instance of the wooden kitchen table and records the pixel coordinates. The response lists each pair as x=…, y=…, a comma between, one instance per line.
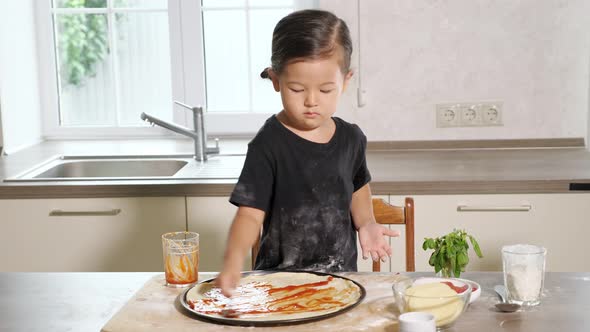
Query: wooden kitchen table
x=120, y=302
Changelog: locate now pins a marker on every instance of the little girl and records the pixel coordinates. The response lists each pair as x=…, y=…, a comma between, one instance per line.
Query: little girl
x=305, y=180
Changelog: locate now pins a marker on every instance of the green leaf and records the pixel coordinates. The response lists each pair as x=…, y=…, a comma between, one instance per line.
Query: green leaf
x=440, y=260
x=432, y=260
x=457, y=270
x=475, y=246
x=450, y=252
x=432, y=243
x=437, y=264
x=462, y=259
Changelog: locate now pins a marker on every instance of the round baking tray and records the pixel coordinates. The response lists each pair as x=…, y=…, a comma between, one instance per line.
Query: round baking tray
x=246, y=322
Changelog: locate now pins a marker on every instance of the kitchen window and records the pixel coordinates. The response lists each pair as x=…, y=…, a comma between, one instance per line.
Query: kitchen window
x=103, y=62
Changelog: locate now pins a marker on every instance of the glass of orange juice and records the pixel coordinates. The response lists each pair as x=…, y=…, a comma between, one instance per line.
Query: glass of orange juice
x=181, y=258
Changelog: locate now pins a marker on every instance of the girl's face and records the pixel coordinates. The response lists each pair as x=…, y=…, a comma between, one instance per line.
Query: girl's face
x=310, y=90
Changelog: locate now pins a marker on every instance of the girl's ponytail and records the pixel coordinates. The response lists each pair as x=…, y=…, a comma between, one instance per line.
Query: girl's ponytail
x=264, y=73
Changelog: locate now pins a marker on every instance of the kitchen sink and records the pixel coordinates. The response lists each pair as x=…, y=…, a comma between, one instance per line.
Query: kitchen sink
x=110, y=168
x=133, y=167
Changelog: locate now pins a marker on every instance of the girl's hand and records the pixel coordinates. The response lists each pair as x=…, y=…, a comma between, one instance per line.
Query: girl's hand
x=242, y=234
x=228, y=280
x=373, y=242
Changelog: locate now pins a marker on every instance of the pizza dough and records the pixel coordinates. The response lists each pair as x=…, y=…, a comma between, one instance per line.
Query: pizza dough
x=437, y=298
x=275, y=296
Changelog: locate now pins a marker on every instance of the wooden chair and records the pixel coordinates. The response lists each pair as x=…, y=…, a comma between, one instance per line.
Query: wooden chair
x=385, y=214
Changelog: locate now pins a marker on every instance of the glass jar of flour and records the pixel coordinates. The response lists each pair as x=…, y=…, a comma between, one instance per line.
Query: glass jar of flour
x=524, y=273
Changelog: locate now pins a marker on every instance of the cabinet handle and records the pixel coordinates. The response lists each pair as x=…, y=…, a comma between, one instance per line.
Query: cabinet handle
x=483, y=208
x=61, y=213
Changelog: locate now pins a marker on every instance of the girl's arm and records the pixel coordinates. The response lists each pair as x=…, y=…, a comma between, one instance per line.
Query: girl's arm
x=370, y=233
x=243, y=233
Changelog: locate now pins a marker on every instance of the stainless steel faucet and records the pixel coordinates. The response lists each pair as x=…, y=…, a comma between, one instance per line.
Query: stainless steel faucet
x=198, y=134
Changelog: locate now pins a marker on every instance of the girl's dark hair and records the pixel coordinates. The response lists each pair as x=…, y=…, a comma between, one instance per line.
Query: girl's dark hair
x=309, y=34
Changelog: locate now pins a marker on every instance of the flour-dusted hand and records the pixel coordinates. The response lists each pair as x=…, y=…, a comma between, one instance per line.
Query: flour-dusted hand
x=242, y=236
x=373, y=242
x=228, y=280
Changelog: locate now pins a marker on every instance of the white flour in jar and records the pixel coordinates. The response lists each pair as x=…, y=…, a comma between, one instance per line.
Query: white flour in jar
x=524, y=268
x=524, y=283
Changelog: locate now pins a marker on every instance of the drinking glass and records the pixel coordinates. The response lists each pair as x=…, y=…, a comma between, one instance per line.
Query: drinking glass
x=181, y=258
x=524, y=273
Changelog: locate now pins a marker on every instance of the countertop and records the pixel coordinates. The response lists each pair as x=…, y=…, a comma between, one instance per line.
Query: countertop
x=87, y=301
x=398, y=171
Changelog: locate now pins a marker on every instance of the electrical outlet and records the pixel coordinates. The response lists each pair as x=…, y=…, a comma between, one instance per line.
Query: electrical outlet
x=469, y=114
x=447, y=115
x=491, y=114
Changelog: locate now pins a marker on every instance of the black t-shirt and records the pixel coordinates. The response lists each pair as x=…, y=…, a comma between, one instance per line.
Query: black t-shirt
x=306, y=189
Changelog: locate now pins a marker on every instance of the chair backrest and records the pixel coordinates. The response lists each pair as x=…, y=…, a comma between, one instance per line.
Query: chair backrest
x=385, y=214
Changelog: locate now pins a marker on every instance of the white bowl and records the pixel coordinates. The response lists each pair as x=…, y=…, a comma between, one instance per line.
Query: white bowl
x=475, y=289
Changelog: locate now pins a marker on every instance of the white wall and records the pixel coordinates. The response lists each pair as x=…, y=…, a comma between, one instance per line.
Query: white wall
x=19, y=93
x=1, y=134
x=532, y=55
x=588, y=117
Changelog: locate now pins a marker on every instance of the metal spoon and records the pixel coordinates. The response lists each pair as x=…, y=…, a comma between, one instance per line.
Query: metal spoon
x=504, y=306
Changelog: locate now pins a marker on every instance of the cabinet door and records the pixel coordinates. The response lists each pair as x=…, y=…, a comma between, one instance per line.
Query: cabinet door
x=558, y=222
x=211, y=217
x=130, y=240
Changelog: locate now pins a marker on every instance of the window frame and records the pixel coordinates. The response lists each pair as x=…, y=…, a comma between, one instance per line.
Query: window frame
x=51, y=128
x=187, y=77
x=242, y=124
x=217, y=124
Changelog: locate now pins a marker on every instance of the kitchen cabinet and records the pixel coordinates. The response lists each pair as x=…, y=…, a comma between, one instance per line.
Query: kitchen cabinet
x=88, y=234
x=211, y=217
x=559, y=222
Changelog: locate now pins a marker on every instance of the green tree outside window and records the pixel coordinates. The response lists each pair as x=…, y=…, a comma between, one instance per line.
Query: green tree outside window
x=83, y=41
